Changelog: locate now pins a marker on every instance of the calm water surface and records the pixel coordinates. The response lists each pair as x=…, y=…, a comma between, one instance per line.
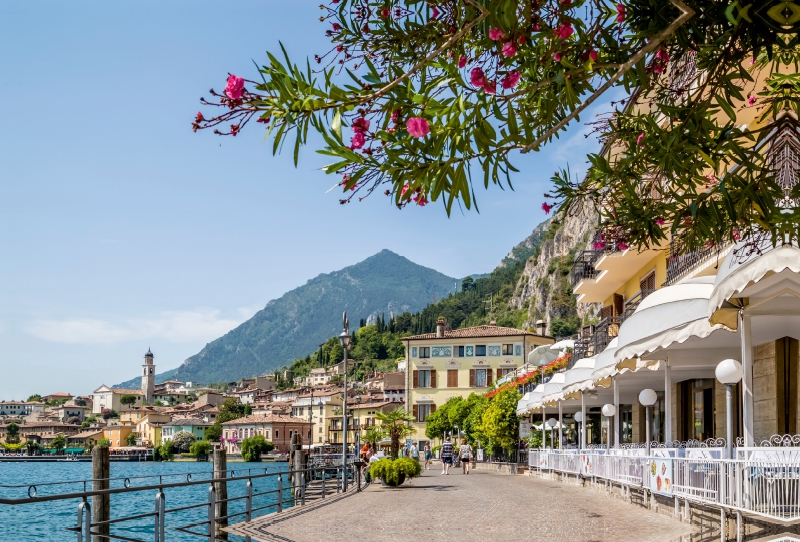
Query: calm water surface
x=47, y=520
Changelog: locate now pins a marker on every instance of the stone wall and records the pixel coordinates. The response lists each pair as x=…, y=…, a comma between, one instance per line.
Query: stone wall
x=765, y=422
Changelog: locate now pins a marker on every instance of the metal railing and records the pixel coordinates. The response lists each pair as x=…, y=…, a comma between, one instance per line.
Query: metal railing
x=583, y=267
x=680, y=263
x=633, y=303
x=291, y=488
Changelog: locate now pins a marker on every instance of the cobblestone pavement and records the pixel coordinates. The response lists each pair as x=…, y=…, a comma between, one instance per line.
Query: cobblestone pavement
x=480, y=506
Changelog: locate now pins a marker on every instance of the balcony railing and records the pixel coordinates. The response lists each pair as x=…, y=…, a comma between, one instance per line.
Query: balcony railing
x=680, y=263
x=633, y=303
x=583, y=268
x=594, y=339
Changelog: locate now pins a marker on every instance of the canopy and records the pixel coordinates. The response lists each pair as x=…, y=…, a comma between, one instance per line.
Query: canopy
x=524, y=404
x=669, y=315
x=604, y=364
x=580, y=376
x=550, y=391
x=563, y=345
x=542, y=355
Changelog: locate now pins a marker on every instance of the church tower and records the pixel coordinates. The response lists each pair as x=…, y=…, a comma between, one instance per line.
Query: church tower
x=148, y=377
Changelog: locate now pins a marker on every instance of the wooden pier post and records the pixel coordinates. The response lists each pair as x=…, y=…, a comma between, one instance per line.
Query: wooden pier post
x=101, y=504
x=221, y=489
x=298, y=462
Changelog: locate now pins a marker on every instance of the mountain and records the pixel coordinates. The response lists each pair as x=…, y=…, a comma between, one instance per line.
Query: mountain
x=527, y=247
x=297, y=323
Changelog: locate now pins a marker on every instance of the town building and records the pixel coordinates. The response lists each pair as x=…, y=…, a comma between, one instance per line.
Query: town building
x=394, y=387
x=318, y=406
x=191, y=425
x=69, y=412
x=83, y=439
x=108, y=398
x=118, y=435
x=276, y=429
x=450, y=363
x=148, y=377
x=20, y=409
x=58, y=396
x=361, y=416
x=37, y=430
x=148, y=429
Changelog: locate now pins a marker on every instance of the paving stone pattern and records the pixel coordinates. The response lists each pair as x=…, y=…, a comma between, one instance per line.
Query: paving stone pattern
x=480, y=506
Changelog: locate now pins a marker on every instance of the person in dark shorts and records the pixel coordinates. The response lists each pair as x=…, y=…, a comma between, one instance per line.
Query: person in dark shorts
x=447, y=455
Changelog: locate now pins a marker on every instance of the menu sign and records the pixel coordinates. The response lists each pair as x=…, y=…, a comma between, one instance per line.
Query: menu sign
x=661, y=475
x=544, y=460
x=586, y=465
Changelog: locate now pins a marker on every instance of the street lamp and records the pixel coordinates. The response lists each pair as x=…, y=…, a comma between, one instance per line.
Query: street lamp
x=344, y=339
x=648, y=398
x=578, y=419
x=609, y=411
x=729, y=372
x=552, y=423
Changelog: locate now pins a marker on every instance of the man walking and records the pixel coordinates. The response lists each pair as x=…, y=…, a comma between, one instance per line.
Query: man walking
x=447, y=455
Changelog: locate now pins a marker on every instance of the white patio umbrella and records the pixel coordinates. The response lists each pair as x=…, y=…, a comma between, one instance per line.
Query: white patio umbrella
x=542, y=355
x=563, y=345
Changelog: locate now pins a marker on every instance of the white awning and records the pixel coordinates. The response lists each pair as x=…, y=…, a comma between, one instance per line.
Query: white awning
x=604, y=364
x=563, y=345
x=551, y=391
x=580, y=376
x=669, y=315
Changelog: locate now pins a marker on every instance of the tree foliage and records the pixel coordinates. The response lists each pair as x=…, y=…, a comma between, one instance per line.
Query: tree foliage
x=165, y=451
x=441, y=96
x=214, y=432
x=12, y=433
x=230, y=409
x=499, y=424
x=394, y=426
x=183, y=440
x=59, y=442
x=253, y=447
x=200, y=448
x=128, y=399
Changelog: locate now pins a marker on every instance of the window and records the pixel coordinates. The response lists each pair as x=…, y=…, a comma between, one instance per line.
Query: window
x=320, y=429
x=425, y=352
x=480, y=378
x=424, y=379
x=508, y=349
x=480, y=350
x=460, y=352
x=276, y=434
x=423, y=411
x=452, y=378
x=506, y=370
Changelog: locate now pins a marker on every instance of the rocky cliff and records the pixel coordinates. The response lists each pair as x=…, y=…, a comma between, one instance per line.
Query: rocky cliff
x=544, y=288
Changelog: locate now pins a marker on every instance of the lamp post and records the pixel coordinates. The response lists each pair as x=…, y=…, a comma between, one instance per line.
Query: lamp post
x=729, y=372
x=578, y=419
x=648, y=398
x=344, y=338
x=552, y=423
x=609, y=411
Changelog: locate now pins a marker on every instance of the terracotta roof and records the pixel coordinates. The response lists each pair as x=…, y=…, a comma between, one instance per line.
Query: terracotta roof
x=265, y=418
x=86, y=434
x=477, y=331
x=59, y=394
x=123, y=391
x=188, y=421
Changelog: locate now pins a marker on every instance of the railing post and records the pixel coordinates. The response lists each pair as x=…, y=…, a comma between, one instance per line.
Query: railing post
x=101, y=504
x=84, y=521
x=249, y=502
x=280, y=493
x=158, y=528
x=220, y=470
x=323, y=483
x=212, y=505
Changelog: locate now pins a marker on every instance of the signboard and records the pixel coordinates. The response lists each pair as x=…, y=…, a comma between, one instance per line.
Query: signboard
x=524, y=430
x=661, y=475
x=586, y=465
x=544, y=460
x=480, y=454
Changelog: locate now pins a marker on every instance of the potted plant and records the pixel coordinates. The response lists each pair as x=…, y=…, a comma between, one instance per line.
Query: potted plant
x=393, y=472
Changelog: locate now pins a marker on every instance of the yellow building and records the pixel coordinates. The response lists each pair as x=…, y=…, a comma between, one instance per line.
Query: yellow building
x=148, y=429
x=318, y=406
x=450, y=363
x=118, y=434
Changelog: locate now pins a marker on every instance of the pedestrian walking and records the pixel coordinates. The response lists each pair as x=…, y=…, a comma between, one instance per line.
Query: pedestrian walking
x=465, y=453
x=414, y=451
x=447, y=455
x=428, y=455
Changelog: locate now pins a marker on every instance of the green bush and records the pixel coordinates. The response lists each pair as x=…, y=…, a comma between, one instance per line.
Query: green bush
x=253, y=447
x=390, y=470
x=165, y=451
x=200, y=448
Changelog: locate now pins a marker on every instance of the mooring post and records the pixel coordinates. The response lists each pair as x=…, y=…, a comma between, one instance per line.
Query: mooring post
x=221, y=490
x=299, y=463
x=101, y=504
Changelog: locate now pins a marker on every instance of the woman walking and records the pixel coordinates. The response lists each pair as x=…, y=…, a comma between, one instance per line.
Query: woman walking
x=447, y=455
x=465, y=453
x=428, y=455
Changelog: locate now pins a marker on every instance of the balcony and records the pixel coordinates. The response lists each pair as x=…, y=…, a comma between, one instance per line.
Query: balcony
x=583, y=268
x=681, y=263
x=594, y=339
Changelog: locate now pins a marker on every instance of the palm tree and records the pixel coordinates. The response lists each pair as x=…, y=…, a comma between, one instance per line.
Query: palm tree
x=59, y=443
x=373, y=435
x=394, y=424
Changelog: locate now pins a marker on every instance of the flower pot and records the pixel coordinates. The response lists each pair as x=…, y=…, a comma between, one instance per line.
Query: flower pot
x=400, y=480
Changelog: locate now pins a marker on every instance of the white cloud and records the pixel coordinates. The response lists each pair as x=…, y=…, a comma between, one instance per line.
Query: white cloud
x=199, y=325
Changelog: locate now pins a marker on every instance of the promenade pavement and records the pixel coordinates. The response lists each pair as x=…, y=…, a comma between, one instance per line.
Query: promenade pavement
x=480, y=506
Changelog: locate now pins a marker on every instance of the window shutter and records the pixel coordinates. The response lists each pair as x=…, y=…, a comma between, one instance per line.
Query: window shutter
x=606, y=312
x=433, y=378
x=452, y=378
x=415, y=383
x=416, y=411
x=488, y=378
x=499, y=374
x=472, y=378
x=433, y=408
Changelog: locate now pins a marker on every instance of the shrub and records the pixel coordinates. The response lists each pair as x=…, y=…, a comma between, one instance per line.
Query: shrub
x=390, y=470
x=165, y=451
x=253, y=447
x=200, y=448
x=182, y=440
x=103, y=443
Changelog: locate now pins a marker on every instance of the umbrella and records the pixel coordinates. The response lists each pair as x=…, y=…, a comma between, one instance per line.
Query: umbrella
x=542, y=355
x=563, y=345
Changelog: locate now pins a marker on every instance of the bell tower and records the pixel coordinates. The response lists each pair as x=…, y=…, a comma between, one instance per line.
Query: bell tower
x=148, y=377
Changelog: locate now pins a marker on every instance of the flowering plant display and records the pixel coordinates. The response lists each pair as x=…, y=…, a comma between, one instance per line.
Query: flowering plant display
x=426, y=100
x=554, y=366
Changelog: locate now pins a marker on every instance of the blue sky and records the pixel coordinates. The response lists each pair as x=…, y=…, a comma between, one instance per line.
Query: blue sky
x=120, y=229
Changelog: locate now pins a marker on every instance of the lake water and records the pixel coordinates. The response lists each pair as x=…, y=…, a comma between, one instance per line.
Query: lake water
x=46, y=521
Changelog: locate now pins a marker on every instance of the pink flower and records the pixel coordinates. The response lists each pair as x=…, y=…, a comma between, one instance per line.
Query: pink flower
x=496, y=34
x=477, y=77
x=357, y=141
x=462, y=61
x=546, y=208
x=623, y=245
x=640, y=139
x=593, y=55
x=620, y=13
x=234, y=129
x=509, y=49
x=521, y=40
x=336, y=27
x=421, y=200
x=360, y=125
x=405, y=189
x=199, y=117
x=564, y=31
x=395, y=115
x=435, y=13
x=235, y=87
x=385, y=13
x=598, y=245
x=736, y=235
x=510, y=80
x=490, y=87
x=662, y=55
x=660, y=221
x=557, y=56
x=751, y=101
x=418, y=127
